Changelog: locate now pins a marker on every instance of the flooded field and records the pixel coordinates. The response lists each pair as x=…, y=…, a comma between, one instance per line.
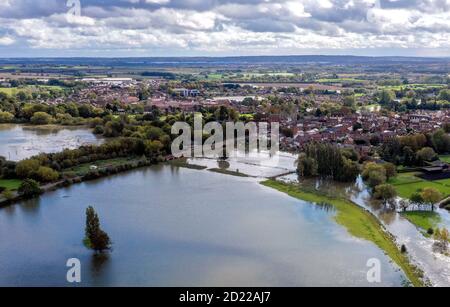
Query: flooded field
x=18, y=142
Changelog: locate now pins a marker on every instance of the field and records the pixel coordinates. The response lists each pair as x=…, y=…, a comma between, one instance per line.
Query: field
x=423, y=220
x=341, y=80
x=407, y=184
x=412, y=86
x=10, y=91
x=445, y=159
x=10, y=184
x=83, y=169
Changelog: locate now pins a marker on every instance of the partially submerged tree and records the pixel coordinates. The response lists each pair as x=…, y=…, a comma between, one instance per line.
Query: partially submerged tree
x=96, y=238
x=385, y=192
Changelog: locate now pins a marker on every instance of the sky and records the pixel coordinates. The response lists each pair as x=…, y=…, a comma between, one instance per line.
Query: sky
x=117, y=28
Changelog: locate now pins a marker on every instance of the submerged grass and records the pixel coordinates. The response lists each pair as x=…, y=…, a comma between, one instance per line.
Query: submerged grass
x=359, y=223
x=227, y=172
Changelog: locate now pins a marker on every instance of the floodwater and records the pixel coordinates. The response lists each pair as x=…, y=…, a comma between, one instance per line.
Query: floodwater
x=181, y=227
x=436, y=266
x=18, y=142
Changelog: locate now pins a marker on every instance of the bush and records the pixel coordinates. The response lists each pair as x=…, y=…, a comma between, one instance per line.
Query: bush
x=27, y=168
x=430, y=231
x=41, y=118
x=7, y=194
x=46, y=174
x=30, y=188
x=6, y=117
x=403, y=249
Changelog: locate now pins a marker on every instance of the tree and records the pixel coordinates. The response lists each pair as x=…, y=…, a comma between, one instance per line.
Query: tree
x=46, y=174
x=426, y=154
x=374, y=174
x=431, y=196
x=27, y=168
x=441, y=141
x=41, y=118
x=306, y=167
x=96, y=238
x=29, y=188
x=385, y=192
x=391, y=170
x=6, y=117
x=386, y=97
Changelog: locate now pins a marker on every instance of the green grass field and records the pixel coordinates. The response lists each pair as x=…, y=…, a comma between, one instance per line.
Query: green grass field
x=405, y=178
x=11, y=91
x=445, y=159
x=10, y=184
x=411, y=86
x=340, y=80
x=423, y=219
x=83, y=169
x=407, y=190
x=358, y=223
x=407, y=184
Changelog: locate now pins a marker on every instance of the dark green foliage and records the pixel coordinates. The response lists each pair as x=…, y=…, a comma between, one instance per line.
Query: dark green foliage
x=96, y=238
x=327, y=161
x=30, y=188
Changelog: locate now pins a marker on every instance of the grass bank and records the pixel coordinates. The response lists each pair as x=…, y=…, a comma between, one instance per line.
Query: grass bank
x=10, y=184
x=423, y=220
x=359, y=223
x=227, y=172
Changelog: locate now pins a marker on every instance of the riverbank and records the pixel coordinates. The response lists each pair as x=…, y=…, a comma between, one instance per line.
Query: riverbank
x=360, y=223
x=85, y=172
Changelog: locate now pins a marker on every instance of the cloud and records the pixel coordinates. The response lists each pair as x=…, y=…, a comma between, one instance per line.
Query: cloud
x=225, y=26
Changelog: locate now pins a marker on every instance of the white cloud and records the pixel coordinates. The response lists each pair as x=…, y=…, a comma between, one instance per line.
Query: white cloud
x=226, y=26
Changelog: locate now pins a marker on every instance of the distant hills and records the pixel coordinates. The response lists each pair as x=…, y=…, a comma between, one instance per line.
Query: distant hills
x=244, y=60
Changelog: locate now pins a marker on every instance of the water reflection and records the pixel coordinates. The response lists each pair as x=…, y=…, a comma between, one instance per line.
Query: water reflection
x=18, y=142
x=189, y=228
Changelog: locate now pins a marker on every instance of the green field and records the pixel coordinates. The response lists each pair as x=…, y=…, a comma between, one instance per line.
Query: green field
x=8, y=90
x=405, y=178
x=358, y=223
x=10, y=184
x=340, y=80
x=11, y=91
x=83, y=169
x=407, y=190
x=423, y=219
x=411, y=86
x=407, y=184
x=445, y=159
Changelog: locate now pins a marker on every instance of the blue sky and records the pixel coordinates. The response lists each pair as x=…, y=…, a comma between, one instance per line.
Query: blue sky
x=223, y=27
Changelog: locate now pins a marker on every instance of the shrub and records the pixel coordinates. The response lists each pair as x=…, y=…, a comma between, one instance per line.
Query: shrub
x=46, y=174
x=6, y=117
x=27, y=168
x=41, y=118
x=8, y=194
x=30, y=188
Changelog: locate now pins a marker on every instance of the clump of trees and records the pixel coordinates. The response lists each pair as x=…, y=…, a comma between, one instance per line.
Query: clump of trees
x=417, y=149
x=328, y=161
x=96, y=239
x=426, y=198
x=29, y=188
x=375, y=174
